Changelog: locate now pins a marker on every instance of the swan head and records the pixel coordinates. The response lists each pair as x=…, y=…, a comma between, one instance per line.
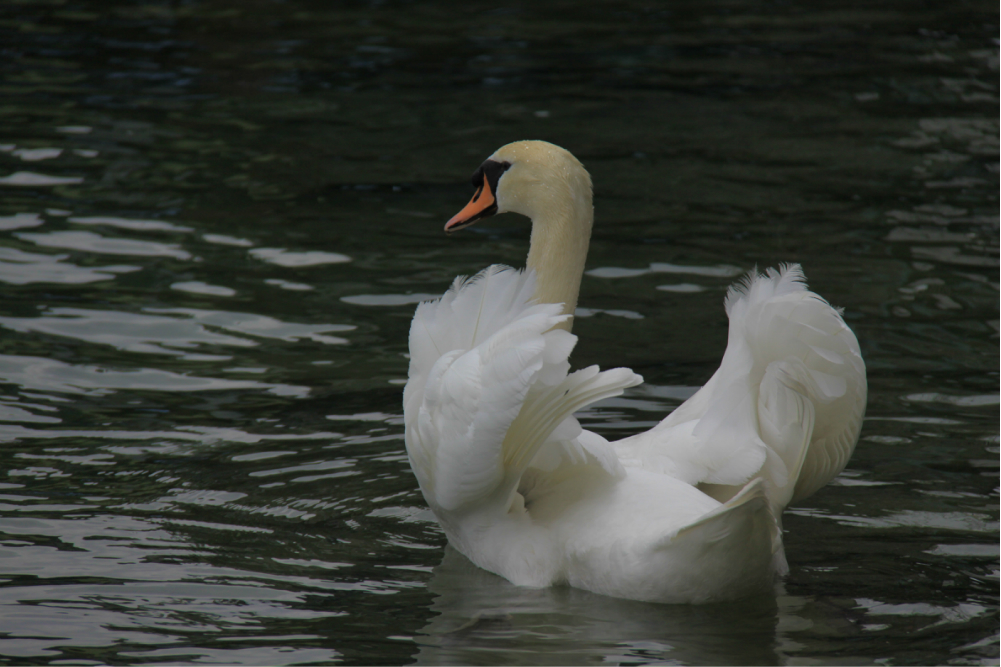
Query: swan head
x=534, y=178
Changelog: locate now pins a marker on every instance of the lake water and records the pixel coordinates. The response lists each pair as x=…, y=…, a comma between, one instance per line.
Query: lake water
x=216, y=218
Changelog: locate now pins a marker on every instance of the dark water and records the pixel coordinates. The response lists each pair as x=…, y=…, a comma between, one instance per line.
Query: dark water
x=216, y=217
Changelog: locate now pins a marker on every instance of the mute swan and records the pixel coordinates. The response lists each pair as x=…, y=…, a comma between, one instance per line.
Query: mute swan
x=689, y=511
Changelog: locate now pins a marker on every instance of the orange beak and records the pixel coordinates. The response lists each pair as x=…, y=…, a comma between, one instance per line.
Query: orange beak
x=482, y=205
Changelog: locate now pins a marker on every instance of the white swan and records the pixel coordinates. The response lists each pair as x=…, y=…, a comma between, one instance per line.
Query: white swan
x=686, y=512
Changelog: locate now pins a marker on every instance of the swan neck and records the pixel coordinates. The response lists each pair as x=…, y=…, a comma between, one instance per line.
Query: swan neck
x=558, y=251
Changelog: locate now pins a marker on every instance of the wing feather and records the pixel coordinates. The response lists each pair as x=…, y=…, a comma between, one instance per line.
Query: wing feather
x=489, y=387
x=786, y=403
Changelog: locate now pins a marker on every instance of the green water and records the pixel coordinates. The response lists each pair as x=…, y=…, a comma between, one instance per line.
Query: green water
x=216, y=218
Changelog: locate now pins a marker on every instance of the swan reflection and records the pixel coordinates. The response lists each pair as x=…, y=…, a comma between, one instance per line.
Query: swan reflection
x=484, y=619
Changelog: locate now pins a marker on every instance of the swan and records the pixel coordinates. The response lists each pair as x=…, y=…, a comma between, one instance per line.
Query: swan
x=687, y=512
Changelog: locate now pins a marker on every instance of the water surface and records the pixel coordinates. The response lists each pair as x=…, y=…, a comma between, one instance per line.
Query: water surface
x=216, y=219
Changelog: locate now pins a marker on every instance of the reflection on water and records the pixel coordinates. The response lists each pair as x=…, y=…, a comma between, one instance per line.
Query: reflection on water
x=41, y=374
x=483, y=619
x=95, y=243
x=18, y=267
x=215, y=221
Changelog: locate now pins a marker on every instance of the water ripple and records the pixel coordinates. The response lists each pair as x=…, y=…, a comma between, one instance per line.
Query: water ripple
x=170, y=489
x=24, y=268
x=95, y=243
x=39, y=374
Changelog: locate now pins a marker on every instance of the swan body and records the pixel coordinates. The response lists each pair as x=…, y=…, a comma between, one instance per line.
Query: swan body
x=687, y=512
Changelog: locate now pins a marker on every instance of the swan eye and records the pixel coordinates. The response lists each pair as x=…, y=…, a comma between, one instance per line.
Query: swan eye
x=492, y=170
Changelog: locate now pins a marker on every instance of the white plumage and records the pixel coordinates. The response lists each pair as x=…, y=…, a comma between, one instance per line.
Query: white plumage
x=689, y=511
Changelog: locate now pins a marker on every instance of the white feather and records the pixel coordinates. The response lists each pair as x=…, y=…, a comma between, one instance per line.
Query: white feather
x=786, y=344
x=482, y=399
x=689, y=511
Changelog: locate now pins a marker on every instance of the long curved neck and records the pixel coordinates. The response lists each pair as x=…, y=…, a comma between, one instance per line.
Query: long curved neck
x=561, y=233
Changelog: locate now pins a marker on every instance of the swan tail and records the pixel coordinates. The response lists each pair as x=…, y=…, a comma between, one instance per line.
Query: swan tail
x=753, y=497
x=701, y=554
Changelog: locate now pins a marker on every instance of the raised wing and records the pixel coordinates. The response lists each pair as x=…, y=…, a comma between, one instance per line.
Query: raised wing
x=489, y=387
x=786, y=403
